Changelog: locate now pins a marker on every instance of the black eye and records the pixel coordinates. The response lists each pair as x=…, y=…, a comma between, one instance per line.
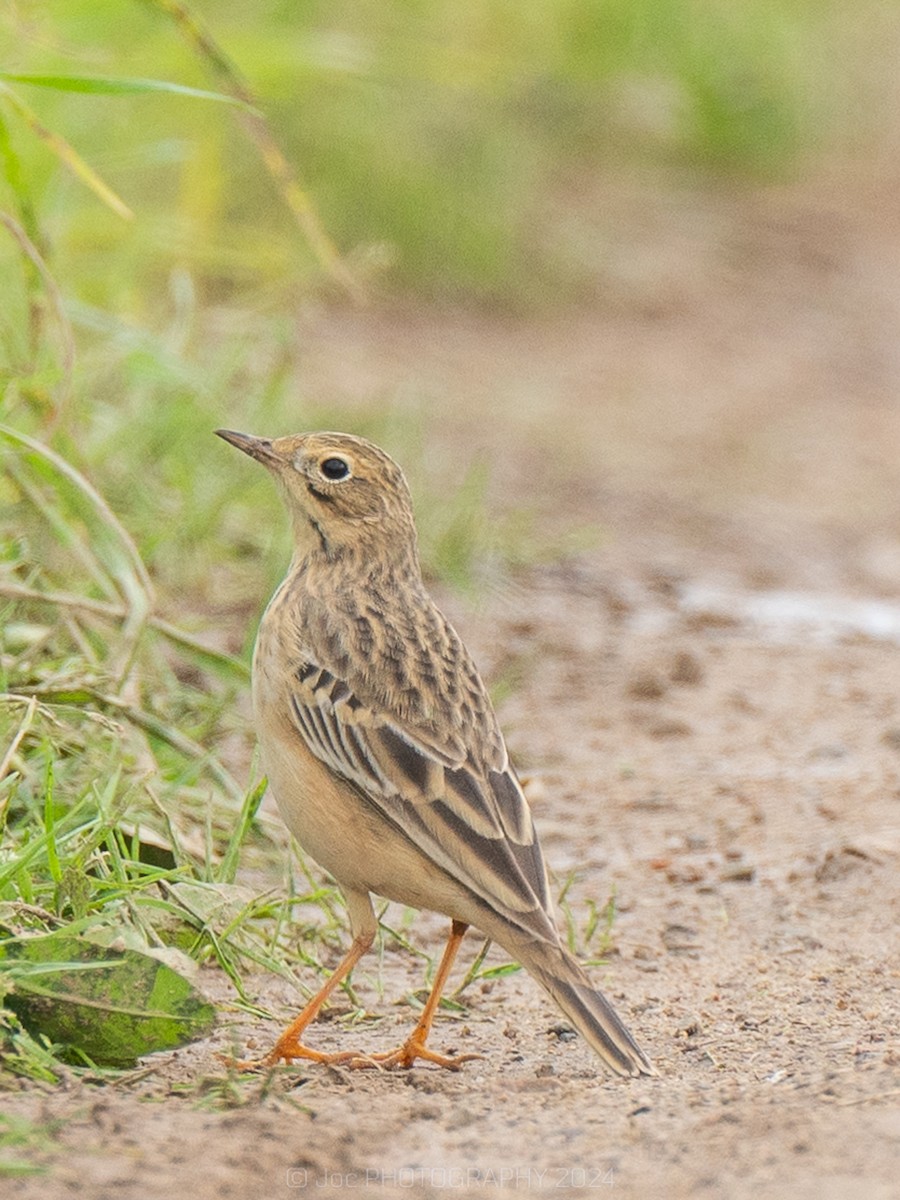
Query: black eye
x=334, y=468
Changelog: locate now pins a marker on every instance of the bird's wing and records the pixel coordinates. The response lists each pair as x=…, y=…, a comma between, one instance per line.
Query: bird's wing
x=470, y=818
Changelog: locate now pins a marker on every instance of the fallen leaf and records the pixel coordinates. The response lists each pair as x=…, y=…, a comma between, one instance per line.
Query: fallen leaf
x=112, y=1006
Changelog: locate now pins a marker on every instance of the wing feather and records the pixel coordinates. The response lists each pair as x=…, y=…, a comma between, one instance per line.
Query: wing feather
x=470, y=818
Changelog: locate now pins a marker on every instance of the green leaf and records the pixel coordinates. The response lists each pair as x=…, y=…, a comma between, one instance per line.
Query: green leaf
x=110, y=1006
x=501, y=971
x=212, y=905
x=111, y=85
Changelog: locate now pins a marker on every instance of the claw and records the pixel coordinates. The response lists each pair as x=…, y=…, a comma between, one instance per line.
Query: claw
x=405, y=1056
x=288, y=1054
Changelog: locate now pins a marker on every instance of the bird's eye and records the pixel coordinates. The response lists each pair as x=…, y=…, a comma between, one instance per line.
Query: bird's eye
x=334, y=468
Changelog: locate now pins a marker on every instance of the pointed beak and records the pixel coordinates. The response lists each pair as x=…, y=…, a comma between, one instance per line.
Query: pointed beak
x=259, y=448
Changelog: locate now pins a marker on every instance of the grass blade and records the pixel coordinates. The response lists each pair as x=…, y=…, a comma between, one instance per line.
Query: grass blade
x=67, y=155
x=111, y=542
x=111, y=85
x=229, y=864
x=36, y=261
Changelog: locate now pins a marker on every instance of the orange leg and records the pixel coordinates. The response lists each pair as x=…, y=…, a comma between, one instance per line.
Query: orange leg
x=414, y=1047
x=289, y=1046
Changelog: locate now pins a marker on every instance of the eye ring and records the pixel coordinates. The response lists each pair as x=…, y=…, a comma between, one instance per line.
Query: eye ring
x=334, y=469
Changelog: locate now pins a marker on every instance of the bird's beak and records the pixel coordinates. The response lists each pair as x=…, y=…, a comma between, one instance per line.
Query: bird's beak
x=259, y=448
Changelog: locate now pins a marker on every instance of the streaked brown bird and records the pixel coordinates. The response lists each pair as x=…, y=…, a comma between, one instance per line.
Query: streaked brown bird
x=382, y=748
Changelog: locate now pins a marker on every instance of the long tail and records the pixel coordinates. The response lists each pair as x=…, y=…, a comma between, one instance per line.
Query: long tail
x=587, y=1008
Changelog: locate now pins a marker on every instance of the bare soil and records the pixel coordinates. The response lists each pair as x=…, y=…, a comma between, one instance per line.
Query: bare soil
x=705, y=703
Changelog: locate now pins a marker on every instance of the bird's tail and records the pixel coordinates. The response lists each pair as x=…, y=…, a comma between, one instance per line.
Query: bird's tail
x=586, y=1007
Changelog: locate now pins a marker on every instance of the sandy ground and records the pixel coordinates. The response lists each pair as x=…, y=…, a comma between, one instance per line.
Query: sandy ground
x=706, y=705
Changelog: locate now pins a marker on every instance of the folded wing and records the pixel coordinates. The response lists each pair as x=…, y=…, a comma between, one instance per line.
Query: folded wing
x=469, y=817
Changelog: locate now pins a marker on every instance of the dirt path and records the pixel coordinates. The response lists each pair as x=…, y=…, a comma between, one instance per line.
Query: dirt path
x=707, y=705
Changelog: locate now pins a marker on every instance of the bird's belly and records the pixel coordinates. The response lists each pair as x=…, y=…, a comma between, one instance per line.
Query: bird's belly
x=321, y=816
x=347, y=835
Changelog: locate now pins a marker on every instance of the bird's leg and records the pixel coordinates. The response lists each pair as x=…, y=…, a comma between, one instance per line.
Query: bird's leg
x=289, y=1046
x=414, y=1047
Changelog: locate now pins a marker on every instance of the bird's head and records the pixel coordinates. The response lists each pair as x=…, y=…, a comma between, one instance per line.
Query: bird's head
x=344, y=494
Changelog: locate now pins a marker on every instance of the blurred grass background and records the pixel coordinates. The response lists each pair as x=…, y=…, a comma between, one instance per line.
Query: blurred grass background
x=430, y=136
x=436, y=152
x=444, y=149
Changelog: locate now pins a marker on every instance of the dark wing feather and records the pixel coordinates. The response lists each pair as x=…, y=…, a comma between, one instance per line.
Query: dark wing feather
x=471, y=819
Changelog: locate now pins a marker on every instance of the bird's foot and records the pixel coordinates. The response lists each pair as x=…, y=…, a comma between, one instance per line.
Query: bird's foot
x=288, y=1050
x=404, y=1056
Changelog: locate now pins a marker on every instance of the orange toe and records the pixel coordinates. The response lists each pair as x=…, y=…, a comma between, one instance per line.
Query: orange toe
x=288, y=1052
x=406, y=1055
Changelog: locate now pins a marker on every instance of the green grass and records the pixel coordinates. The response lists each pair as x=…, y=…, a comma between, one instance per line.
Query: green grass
x=19, y=1140
x=120, y=819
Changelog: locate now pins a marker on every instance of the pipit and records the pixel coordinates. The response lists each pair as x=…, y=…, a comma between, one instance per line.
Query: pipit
x=383, y=751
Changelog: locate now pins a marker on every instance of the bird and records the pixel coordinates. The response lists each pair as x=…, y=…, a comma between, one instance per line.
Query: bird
x=383, y=750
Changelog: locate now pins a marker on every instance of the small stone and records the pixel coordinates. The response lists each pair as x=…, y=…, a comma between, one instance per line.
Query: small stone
x=565, y=1033
x=834, y=750
x=669, y=728
x=740, y=873
x=689, y=1027
x=679, y=937
x=686, y=669
x=647, y=686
